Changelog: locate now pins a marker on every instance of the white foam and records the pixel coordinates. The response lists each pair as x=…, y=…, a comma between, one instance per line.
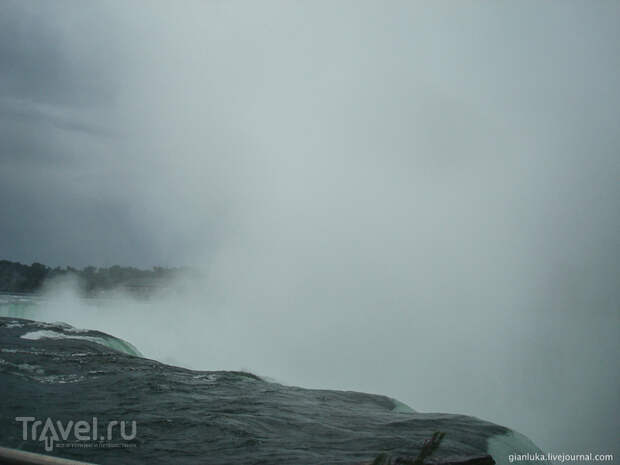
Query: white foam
x=112, y=343
x=14, y=324
x=46, y=333
x=31, y=368
x=68, y=328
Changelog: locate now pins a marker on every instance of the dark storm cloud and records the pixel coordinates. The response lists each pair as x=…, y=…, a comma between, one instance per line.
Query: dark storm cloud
x=56, y=101
x=34, y=66
x=39, y=63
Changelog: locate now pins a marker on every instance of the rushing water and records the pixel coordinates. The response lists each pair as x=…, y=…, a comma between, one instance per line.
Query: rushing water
x=56, y=371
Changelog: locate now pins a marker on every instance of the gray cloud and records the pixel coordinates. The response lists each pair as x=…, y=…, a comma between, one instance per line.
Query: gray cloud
x=58, y=134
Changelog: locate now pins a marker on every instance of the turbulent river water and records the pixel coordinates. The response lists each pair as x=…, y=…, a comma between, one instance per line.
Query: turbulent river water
x=62, y=388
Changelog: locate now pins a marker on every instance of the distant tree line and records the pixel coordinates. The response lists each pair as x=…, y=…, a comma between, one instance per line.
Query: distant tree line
x=16, y=277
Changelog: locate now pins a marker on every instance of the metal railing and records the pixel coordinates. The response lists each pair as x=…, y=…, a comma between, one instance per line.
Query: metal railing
x=20, y=457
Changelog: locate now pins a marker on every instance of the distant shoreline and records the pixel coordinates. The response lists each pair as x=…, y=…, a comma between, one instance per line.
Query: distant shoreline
x=17, y=278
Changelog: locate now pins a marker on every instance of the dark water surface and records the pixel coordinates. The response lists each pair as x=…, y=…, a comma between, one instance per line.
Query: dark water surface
x=52, y=370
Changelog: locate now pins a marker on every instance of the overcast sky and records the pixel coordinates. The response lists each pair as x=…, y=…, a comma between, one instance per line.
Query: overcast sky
x=138, y=133
x=369, y=171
